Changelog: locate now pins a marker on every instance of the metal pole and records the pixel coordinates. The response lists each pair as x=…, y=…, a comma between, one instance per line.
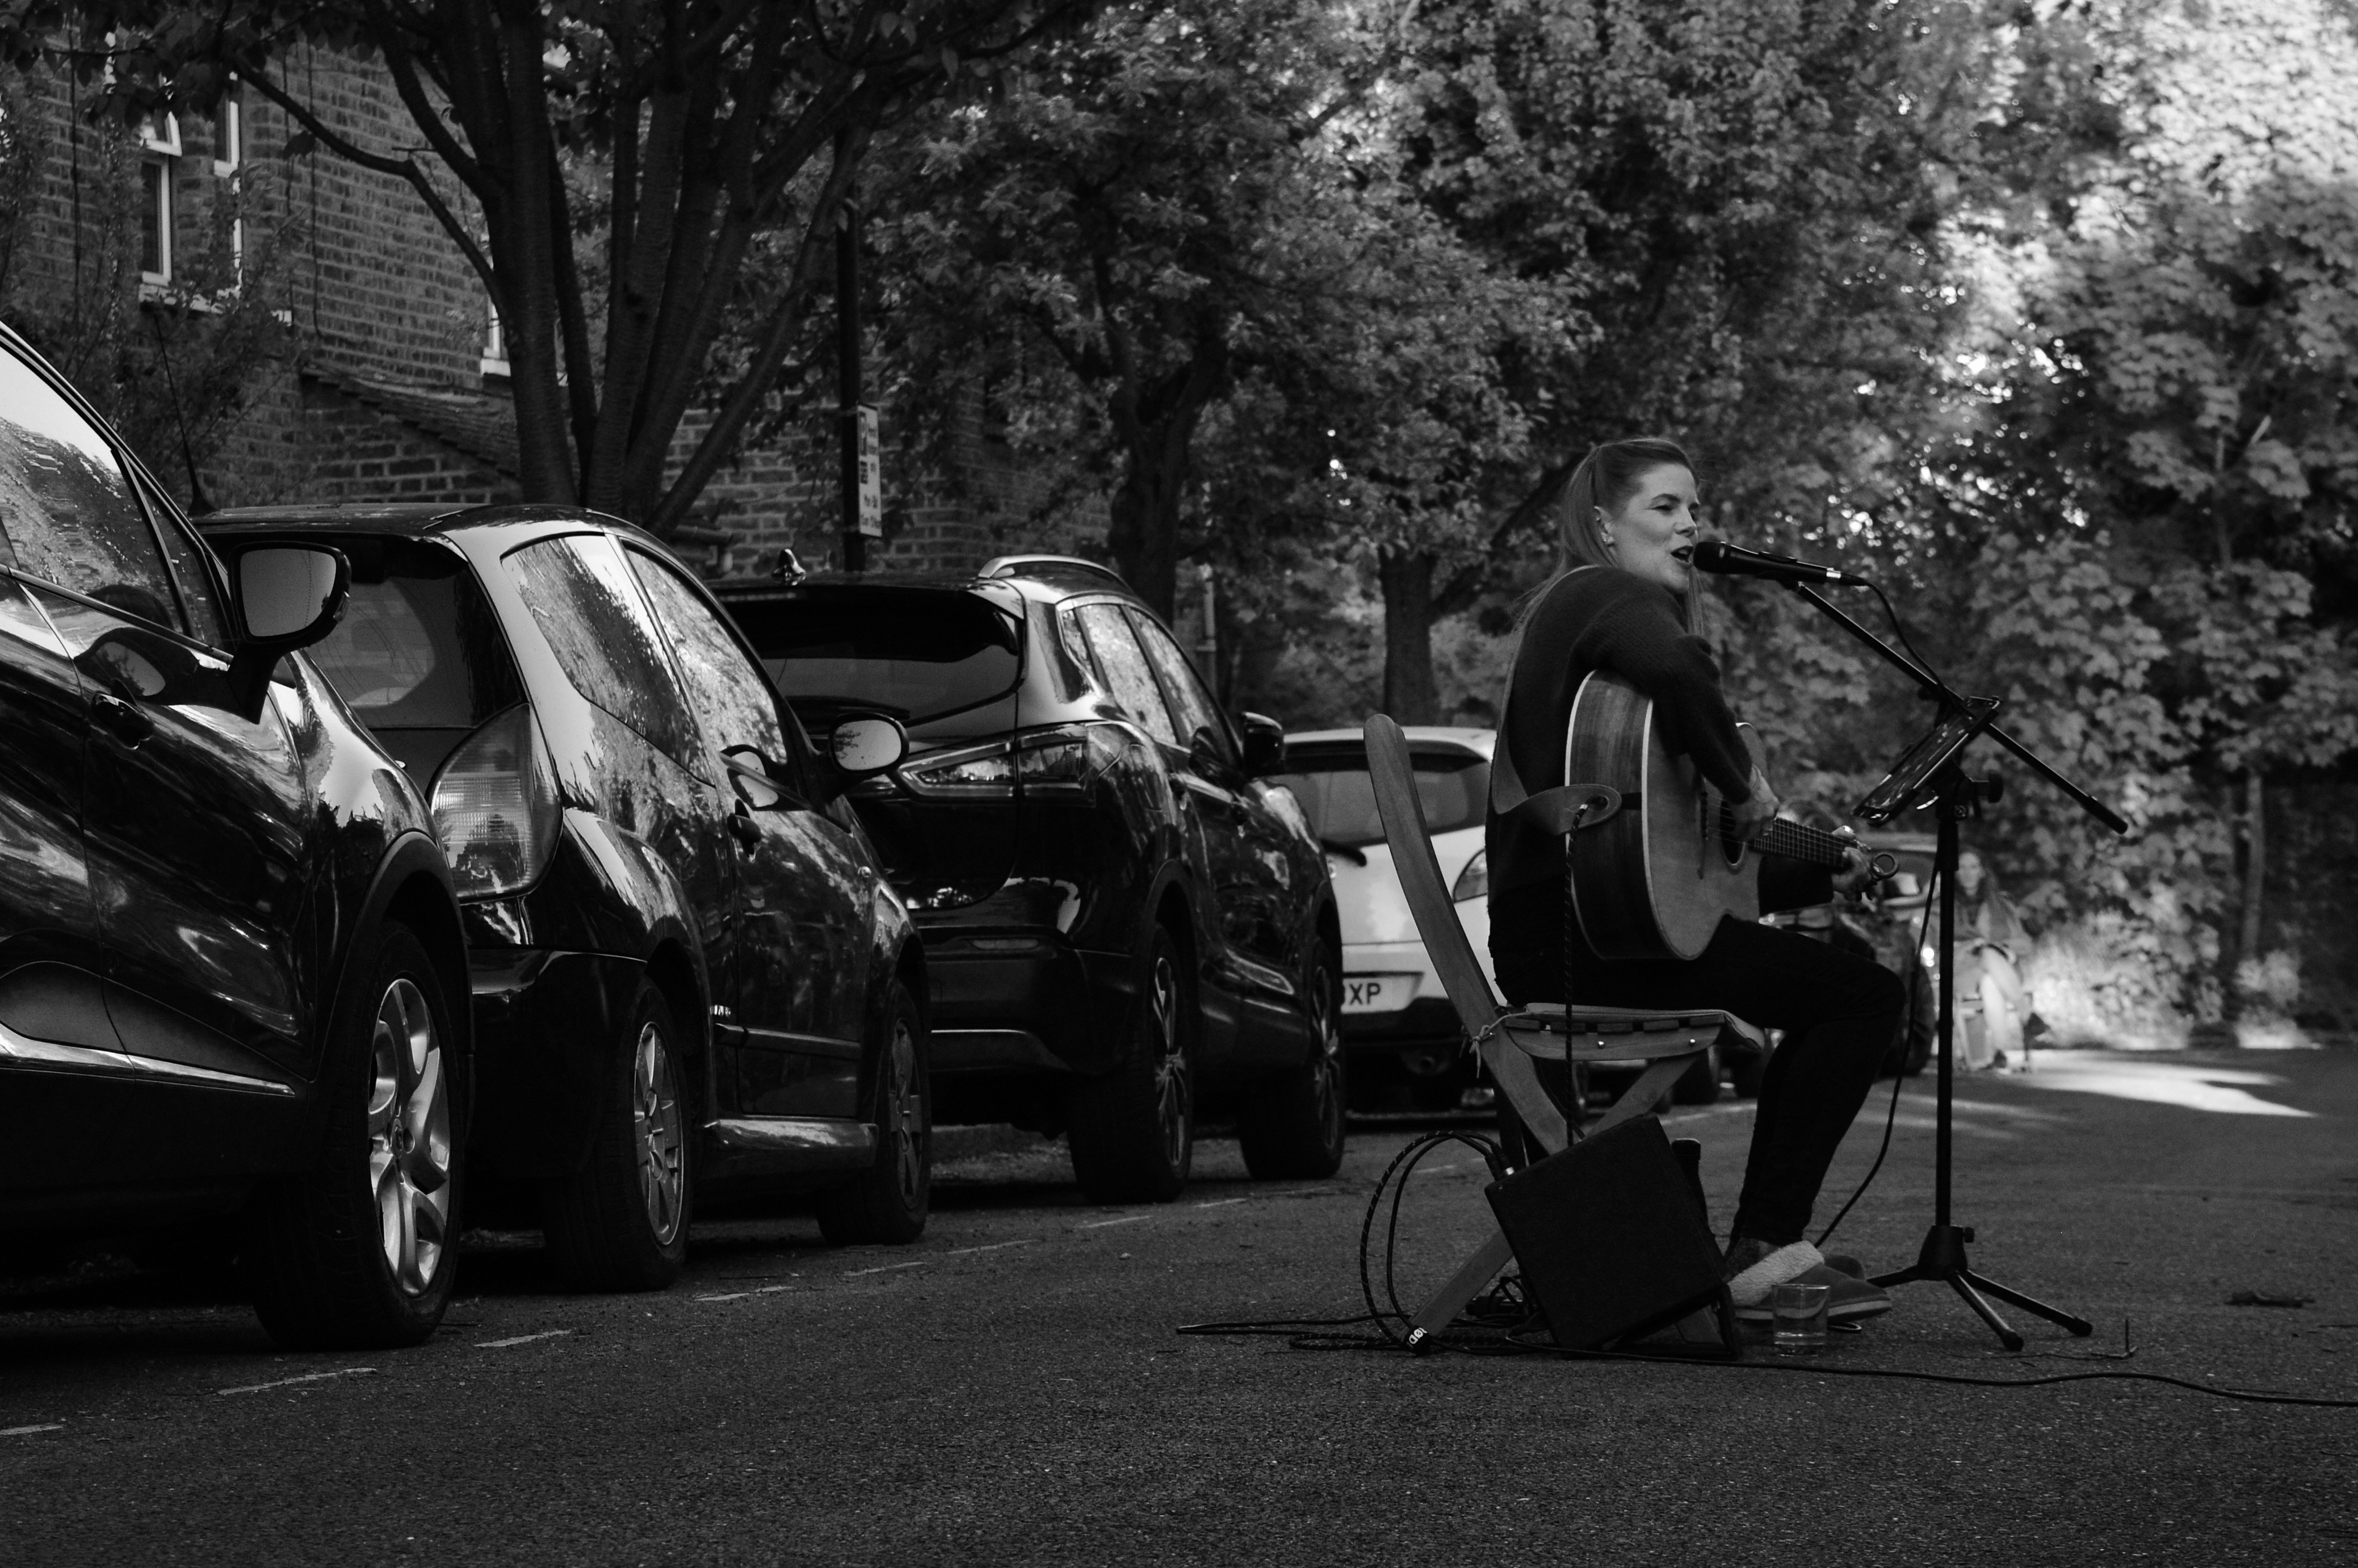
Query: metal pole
x=848, y=368
x=1950, y=804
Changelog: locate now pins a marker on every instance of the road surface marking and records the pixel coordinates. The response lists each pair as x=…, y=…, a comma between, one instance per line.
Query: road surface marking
x=1437, y=1170
x=305, y=1378
x=963, y=1252
x=1101, y=1224
x=887, y=1268
x=28, y=1430
x=730, y=1296
x=523, y=1339
x=1219, y=1203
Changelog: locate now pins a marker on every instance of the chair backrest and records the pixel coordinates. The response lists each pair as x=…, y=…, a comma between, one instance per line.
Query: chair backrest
x=1394, y=777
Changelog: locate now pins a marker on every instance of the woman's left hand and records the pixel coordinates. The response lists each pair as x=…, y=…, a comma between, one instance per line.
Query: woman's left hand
x=1856, y=871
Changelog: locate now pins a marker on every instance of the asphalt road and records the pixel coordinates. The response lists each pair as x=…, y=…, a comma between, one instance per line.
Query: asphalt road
x=1010, y=1390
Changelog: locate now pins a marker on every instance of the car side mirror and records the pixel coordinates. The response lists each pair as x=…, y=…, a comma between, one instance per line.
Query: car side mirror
x=1264, y=745
x=288, y=596
x=752, y=780
x=867, y=744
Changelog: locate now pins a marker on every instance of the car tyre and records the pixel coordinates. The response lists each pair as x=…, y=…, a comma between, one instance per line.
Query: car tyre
x=1699, y=1085
x=1292, y=1126
x=889, y=1201
x=1133, y=1132
x=620, y=1223
x=360, y=1251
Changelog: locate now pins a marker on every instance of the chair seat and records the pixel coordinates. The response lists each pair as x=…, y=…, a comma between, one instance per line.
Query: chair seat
x=1556, y=1033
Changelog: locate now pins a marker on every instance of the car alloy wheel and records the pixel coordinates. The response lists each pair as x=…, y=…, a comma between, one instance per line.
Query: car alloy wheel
x=1175, y=1088
x=658, y=1137
x=408, y=1121
x=1326, y=1068
x=905, y=1111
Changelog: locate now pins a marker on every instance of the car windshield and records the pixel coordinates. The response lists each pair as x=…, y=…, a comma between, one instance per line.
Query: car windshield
x=1338, y=797
x=916, y=653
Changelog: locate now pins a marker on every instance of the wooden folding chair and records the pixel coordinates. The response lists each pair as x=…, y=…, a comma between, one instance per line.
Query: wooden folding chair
x=1511, y=1042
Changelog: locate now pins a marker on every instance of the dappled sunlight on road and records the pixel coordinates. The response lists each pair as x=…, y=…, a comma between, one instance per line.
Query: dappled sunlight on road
x=2195, y=1086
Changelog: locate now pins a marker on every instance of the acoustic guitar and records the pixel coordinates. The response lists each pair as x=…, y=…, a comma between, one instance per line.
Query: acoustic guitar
x=1652, y=879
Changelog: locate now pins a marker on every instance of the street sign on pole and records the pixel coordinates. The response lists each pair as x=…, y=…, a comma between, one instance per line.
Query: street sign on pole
x=871, y=477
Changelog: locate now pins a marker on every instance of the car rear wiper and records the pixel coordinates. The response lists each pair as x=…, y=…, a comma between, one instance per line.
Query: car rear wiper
x=1350, y=852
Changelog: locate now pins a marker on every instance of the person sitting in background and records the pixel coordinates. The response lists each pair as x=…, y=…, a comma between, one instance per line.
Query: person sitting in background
x=1990, y=943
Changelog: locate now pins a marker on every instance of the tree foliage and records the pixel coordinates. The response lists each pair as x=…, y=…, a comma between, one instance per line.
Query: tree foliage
x=664, y=138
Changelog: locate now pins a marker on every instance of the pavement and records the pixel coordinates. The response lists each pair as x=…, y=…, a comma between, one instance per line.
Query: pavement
x=1010, y=1390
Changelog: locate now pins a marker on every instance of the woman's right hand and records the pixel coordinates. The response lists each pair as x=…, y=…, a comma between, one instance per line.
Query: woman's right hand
x=1756, y=811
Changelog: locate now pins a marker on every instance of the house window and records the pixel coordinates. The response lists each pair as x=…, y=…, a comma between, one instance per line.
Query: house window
x=229, y=132
x=495, y=346
x=229, y=157
x=160, y=142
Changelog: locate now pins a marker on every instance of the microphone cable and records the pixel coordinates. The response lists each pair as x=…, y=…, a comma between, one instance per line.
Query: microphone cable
x=1891, y=1115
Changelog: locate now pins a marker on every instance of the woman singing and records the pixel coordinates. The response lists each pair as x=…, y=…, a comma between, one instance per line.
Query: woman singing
x=1627, y=524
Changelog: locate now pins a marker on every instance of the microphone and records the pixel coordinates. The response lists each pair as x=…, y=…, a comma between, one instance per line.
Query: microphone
x=1734, y=560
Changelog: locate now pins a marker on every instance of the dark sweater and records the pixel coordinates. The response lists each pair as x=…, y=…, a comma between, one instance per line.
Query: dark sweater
x=1606, y=618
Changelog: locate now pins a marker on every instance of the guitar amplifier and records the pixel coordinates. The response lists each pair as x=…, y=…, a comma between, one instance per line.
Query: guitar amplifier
x=1610, y=1238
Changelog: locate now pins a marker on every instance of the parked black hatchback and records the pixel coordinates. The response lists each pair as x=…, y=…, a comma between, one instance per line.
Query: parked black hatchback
x=1128, y=927
x=686, y=971
x=232, y=979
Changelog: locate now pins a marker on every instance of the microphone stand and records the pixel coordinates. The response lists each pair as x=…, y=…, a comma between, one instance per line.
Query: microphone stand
x=1954, y=797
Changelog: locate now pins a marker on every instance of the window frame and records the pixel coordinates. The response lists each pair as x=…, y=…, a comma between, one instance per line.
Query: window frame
x=689, y=754
x=156, y=512
x=1119, y=606
x=1223, y=733
x=798, y=761
x=162, y=206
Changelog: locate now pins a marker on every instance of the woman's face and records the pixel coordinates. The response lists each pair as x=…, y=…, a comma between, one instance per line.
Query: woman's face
x=1969, y=873
x=1653, y=533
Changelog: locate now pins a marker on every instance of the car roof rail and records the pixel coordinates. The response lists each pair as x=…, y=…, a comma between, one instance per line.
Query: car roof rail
x=1050, y=567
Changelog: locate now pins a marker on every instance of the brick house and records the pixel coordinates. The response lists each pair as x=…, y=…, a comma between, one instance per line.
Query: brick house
x=374, y=367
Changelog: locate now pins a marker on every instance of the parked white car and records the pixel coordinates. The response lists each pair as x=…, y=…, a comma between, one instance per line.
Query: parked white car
x=1402, y=1035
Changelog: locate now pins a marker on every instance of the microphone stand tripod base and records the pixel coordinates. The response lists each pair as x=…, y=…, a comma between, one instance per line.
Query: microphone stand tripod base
x=1943, y=1257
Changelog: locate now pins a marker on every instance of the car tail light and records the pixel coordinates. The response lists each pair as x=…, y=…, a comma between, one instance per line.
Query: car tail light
x=495, y=807
x=1474, y=882
x=969, y=770
x=1047, y=760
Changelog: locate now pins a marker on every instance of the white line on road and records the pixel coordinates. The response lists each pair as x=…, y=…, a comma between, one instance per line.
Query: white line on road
x=28, y=1430
x=963, y=1252
x=1437, y=1170
x=729, y=1296
x=1101, y=1224
x=1219, y=1203
x=887, y=1268
x=523, y=1339
x=305, y=1378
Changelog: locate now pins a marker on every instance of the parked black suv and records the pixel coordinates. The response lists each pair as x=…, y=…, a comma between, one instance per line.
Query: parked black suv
x=686, y=971
x=231, y=968
x=1128, y=926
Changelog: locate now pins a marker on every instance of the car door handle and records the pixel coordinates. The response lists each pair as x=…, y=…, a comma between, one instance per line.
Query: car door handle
x=126, y=720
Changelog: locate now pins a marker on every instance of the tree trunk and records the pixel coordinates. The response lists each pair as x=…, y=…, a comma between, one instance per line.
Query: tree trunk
x=2256, y=863
x=1144, y=531
x=1409, y=696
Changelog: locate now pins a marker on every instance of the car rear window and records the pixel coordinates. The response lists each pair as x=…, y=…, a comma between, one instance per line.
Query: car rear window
x=418, y=646
x=918, y=656
x=1339, y=798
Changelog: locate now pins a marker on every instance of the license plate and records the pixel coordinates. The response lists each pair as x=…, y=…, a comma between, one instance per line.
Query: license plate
x=1378, y=993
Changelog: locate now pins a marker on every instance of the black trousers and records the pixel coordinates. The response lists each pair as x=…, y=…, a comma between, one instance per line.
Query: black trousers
x=1839, y=1012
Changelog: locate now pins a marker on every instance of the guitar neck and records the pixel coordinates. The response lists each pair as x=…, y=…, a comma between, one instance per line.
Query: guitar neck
x=1794, y=841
